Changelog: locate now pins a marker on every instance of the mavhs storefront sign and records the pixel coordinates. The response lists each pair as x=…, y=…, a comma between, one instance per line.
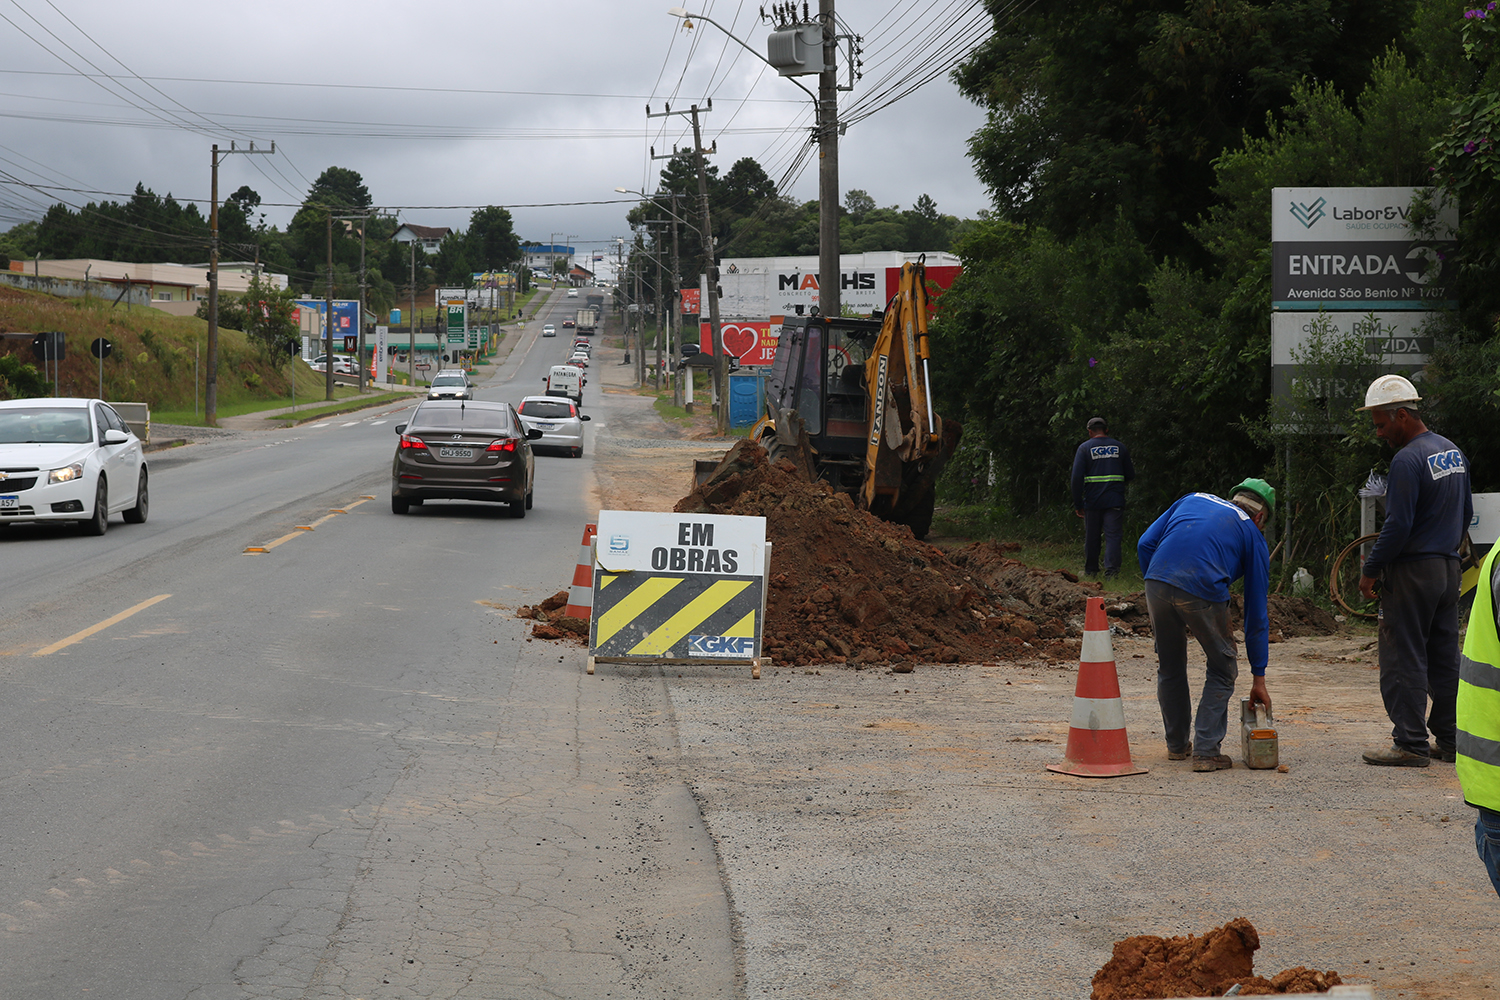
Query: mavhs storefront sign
x=678, y=588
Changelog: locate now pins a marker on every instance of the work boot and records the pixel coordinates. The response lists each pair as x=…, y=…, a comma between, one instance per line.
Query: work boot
x=1439, y=752
x=1180, y=754
x=1220, y=762
x=1394, y=756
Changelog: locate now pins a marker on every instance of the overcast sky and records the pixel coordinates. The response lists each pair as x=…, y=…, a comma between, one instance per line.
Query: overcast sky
x=443, y=106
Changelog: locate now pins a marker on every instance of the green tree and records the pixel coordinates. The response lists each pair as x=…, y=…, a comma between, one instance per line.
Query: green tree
x=1097, y=108
x=492, y=241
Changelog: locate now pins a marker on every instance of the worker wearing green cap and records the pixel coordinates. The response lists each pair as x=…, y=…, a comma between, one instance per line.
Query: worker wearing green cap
x=1189, y=557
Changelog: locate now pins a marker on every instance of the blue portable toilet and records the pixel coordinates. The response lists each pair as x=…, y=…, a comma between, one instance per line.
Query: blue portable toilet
x=747, y=400
x=395, y=317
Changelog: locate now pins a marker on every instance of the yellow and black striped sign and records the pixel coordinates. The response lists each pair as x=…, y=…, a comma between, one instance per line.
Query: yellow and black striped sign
x=662, y=616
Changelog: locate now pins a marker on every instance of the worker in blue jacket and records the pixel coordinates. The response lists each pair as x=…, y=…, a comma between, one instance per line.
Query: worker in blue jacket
x=1189, y=557
x=1101, y=468
x=1416, y=562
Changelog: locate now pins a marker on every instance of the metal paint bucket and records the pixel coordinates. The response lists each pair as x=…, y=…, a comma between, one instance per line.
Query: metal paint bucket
x=1258, y=742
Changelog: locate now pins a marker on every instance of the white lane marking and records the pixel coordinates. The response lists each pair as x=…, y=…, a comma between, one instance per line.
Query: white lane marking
x=349, y=424
x=377, y=423
x=313, y=427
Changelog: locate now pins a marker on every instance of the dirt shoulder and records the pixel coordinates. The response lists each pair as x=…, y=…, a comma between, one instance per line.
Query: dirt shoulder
x=890, y=834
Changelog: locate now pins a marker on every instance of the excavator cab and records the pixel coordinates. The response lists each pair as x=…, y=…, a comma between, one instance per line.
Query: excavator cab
x=818, y=375
x=849, y=401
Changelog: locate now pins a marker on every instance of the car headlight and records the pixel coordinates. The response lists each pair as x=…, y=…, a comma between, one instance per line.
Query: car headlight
x=66, y=474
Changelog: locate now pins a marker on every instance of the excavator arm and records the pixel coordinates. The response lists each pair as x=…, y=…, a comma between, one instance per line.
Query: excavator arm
x=908, y=443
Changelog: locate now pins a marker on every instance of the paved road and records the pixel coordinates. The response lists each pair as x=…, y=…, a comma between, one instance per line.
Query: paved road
x=339, y=768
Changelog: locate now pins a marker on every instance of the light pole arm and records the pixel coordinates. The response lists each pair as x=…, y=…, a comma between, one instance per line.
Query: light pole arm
x=682, y=13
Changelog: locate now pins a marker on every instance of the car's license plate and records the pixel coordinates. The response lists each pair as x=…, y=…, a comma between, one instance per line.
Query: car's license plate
x=455, y=453
x=545, y=427
x=10, y=501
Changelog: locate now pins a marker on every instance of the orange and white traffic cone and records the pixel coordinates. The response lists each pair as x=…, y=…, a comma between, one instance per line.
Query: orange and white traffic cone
x=1098, y=746
x=581, y=596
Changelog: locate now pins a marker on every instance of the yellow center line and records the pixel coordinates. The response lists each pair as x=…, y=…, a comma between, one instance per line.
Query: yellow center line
x=256, y=550
x=80, y=636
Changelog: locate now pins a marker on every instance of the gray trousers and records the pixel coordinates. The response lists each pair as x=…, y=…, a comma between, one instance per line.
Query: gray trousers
x=1173, y=612
x=1419, y=650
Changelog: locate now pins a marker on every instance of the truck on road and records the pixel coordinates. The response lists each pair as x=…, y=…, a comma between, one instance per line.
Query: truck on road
x=587, y=319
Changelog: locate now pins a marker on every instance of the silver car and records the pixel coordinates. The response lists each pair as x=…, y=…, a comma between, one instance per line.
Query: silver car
x=69, y=460
x=451, y=383
x=559, y=421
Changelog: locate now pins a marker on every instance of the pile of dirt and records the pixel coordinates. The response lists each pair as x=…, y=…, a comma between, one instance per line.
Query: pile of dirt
x=553, y=623
x=1152, y=967
x=845, y=586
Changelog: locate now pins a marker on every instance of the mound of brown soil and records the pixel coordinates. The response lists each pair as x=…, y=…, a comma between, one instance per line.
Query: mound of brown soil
x=1151, y=967
x=848, y=587
x=552, y=623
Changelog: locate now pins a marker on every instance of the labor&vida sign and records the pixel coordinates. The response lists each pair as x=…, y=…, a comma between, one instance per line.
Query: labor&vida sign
x=1360, y=249
x=680, y=587
x=1354, y=269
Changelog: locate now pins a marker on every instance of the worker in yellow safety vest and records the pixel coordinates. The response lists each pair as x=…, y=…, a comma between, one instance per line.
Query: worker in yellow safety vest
x=1478, y=743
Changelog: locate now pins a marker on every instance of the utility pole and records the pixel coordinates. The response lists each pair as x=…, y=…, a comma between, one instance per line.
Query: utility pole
x=711, y=280
x=676, y=307
x=211, y=389
x=411, y=326
x=328, y=319
x=829, y=278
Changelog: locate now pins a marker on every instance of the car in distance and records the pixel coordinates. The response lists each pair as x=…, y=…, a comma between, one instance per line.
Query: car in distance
x=559, y=421
x=463, y=450
x=567, y=324
x=572, y=293
x=451, y=383
x=69, y=460
x=342, y=365
x=549, y=330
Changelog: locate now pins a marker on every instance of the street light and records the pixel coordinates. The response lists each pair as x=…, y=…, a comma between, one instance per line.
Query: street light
x=827, y=128
x=675, y=307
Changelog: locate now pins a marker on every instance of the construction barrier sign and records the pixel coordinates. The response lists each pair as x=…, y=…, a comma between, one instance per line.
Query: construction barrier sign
x=678, y=588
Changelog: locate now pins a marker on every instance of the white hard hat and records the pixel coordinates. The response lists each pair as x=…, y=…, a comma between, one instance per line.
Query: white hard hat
x=1390, y=390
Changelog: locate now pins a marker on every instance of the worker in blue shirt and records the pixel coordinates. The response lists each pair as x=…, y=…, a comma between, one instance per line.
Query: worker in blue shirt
x=1189, y=557
x=1101, y=468
x=1428, y=507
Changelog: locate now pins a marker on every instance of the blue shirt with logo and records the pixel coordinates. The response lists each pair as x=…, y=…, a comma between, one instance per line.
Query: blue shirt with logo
x=1201, y=545
x=1428, y=505
x=1101, y=468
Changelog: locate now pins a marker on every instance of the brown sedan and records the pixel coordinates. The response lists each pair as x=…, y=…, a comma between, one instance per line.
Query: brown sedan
x=463, y=450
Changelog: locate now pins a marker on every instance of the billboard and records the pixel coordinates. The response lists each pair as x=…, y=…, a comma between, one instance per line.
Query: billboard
x=751, y=342
x=308, y=314
x=779, y=291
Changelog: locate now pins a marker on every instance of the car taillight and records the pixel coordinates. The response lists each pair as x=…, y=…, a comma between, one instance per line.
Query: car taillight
x=411, y=442
x=502, y=444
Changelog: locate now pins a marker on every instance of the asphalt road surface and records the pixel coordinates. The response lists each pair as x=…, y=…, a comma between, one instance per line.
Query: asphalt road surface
x=338, y=768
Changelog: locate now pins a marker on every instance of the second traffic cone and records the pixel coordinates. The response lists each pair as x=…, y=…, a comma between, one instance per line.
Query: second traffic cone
x=581, y=595
x=1098, y=746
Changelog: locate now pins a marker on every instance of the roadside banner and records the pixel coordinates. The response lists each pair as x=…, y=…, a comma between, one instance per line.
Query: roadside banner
x=678, y=588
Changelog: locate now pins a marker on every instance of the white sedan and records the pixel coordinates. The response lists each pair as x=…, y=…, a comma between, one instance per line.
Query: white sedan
x=559, y=421
x=69, y=460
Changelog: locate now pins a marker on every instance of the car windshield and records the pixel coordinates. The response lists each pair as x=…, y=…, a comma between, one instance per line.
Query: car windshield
x=546, y=408
x=448, y=380
x=468, y=418
x=41, y=425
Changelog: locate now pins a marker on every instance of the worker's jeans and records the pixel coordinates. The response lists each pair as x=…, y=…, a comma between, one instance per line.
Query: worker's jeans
x=1419, y=650
x=1487, y=839
x=1110, y=523
x=1173, y=612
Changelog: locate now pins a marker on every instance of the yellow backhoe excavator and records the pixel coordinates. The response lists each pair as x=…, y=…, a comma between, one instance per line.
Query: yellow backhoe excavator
x=849, y=401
